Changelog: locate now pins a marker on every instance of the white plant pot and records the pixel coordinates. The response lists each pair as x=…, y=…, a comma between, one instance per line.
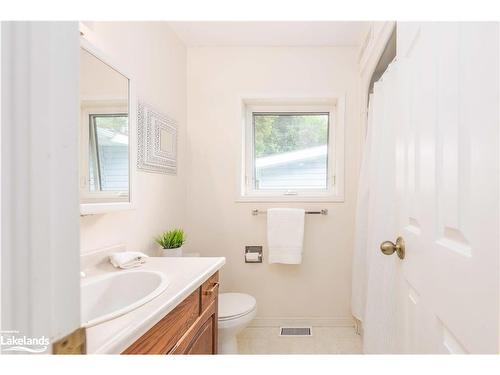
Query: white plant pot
x=177, y=252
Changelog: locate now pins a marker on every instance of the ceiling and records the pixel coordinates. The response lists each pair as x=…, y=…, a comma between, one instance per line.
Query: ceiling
x=319, y=33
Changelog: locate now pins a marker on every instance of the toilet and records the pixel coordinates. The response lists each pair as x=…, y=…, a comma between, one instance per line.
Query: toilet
x=236, y=311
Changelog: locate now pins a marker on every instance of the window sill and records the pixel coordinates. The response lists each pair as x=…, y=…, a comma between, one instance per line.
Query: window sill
x=290, y=199
x=104, y=208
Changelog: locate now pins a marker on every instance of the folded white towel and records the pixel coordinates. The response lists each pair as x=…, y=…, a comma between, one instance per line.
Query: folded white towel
x=127, y=259
x=285, y=235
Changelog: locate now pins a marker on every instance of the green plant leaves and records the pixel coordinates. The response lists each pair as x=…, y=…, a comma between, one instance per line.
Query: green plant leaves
x=171, y=239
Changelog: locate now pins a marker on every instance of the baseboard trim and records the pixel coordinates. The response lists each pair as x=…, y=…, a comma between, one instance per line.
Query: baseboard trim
x=311, y=321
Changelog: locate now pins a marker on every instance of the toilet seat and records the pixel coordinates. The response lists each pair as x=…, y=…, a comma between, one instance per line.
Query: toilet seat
x=235, y=305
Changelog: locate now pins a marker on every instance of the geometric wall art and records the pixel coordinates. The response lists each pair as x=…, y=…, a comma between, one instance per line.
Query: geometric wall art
x=157, y=141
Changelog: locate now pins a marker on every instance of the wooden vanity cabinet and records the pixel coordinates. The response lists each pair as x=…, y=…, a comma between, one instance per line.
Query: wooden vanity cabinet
x=190, y=328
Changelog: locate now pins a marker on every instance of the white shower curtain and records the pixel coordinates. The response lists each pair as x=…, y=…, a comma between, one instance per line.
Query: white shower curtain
x=374, y=285
x=359, y=274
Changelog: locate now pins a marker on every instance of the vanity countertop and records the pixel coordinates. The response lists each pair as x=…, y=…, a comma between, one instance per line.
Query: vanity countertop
x=184, y=275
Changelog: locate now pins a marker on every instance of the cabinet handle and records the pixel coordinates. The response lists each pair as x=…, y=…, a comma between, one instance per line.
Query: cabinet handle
x=212, y=290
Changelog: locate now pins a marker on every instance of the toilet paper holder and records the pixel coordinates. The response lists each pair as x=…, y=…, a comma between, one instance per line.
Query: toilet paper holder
x=250, y=252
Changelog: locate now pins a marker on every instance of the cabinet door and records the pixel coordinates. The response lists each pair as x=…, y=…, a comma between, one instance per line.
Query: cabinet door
x=202, y=336
x=163, y=336
x=204, y=342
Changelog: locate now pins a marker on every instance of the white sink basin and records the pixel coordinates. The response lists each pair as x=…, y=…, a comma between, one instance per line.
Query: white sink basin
x=111, y=295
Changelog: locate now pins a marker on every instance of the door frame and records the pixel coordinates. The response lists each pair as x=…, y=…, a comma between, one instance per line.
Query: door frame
x=40, y=221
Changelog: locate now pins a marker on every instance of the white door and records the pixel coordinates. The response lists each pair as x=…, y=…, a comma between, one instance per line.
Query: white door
x=446, y=151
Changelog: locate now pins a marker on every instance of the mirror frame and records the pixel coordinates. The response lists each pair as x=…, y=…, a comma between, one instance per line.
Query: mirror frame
x=104, y=207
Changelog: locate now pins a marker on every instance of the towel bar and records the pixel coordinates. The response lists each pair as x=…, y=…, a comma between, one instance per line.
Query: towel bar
x=321, y=212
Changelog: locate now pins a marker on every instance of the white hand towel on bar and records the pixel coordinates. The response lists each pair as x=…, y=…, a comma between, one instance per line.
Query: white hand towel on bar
x=127, y=259
x=285, y=235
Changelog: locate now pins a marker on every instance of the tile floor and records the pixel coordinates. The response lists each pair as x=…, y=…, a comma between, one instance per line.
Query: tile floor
x=325, y=340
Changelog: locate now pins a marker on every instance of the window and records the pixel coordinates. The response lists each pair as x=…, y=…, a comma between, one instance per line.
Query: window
x=108, y=152
x=292, y=152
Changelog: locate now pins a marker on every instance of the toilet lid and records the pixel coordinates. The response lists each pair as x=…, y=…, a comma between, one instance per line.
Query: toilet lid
x=235, y=304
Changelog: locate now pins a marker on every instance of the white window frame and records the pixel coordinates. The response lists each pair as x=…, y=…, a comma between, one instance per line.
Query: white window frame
x=335, y=173
x=92, y=108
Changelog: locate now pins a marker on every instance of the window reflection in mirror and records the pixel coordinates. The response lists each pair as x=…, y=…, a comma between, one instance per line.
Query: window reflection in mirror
x=108, y=160
x=104, y=104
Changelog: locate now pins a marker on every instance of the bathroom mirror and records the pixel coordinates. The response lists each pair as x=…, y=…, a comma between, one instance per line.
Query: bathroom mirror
x=106, y=134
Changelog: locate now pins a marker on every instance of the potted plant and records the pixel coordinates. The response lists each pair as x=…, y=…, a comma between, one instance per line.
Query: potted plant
x=171, y=242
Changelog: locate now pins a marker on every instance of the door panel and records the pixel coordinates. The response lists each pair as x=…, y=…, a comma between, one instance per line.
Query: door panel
x=447, y=185
x=412, y=153
x=466, y=241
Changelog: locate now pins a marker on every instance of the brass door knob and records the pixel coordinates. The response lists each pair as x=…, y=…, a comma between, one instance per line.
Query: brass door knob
x=389, y=248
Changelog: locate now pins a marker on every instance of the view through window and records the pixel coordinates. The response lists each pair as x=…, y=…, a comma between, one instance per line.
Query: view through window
x=290, y=151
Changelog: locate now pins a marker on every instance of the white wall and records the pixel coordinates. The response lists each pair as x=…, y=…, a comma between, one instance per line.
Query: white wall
x=157, y=60
x=217, y=225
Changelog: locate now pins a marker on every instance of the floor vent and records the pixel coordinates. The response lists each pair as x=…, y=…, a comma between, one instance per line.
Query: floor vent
x=295, y=331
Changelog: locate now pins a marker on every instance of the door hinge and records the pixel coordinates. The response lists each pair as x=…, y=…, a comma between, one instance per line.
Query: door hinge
x=74, y=343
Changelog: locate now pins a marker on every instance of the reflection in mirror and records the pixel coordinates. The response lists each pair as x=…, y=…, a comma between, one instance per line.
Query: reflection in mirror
x=108, y=160
x=104, y=104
